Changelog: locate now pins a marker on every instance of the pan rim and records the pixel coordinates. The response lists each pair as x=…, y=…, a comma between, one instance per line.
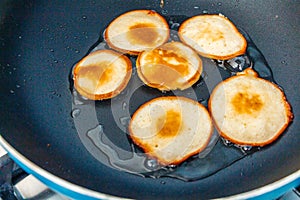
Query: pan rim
x=54, y=182
x=75, y=191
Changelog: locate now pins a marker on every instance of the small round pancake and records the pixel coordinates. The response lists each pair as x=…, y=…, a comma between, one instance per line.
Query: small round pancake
x=213, y=36
x=136, y=31
x=249, y=110
x=171, y=128
x=102, y=74
x=169, y=67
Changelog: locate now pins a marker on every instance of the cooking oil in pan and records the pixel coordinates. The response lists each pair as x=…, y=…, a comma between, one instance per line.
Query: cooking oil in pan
x=219, y=154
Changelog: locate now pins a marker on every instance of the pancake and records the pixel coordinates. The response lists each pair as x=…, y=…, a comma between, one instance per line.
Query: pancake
x=102, y=74
x=169, y=67
x=136, y=31
x=213, y=36
x=249, y=110
x=171, y=129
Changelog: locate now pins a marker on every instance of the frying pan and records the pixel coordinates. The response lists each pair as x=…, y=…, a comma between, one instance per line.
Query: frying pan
x=42, y=40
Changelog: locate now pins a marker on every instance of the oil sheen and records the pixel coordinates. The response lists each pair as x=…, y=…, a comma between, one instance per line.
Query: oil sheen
x=110, y=141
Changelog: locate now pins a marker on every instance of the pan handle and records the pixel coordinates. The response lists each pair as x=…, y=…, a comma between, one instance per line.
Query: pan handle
x=293, y=194
x=28, y=187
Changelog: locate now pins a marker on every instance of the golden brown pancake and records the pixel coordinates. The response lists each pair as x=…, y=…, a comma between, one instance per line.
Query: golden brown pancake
x=249, y=110
x=102, y=74
x=171, y=129
x=136, y=31
x=213, y=36
x=169, y=67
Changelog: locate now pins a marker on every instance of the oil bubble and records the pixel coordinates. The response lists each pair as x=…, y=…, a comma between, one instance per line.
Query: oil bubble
x=124, y=105
x=164, y=12
x=175, y=25
x=151, y=164
x=200, y=84
x=75, y=112
x=162, y=3
x=124, y=121
x=246, y=148
x=227, y=142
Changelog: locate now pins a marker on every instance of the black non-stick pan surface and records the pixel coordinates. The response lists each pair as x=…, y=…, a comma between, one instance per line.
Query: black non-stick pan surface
x=40, y=41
